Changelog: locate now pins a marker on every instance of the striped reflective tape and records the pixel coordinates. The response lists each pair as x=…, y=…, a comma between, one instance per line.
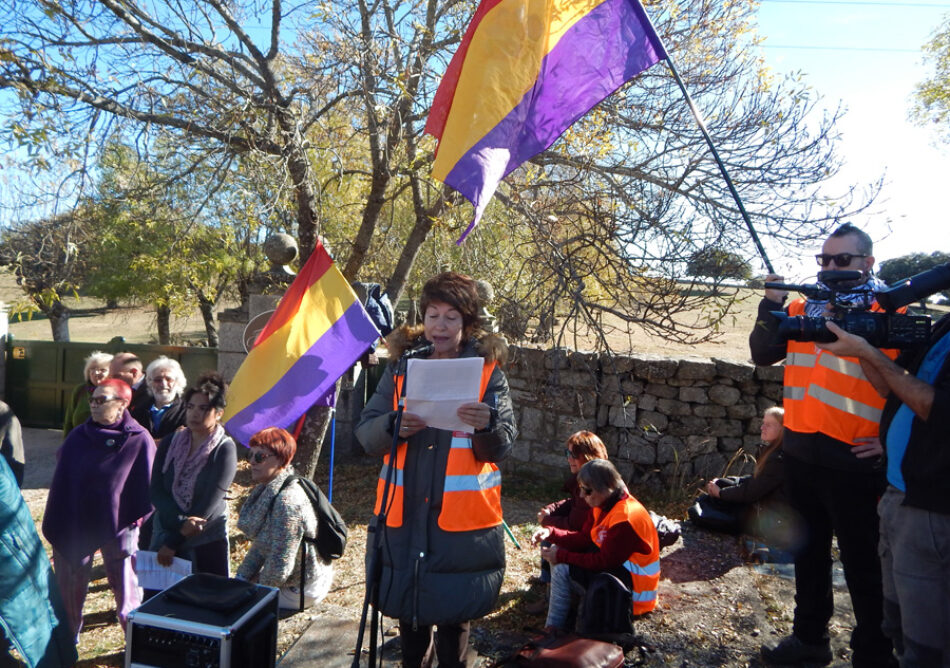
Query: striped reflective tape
x=643, y=596
x=793, y=392
x=843, y=366
x=649, y=570
x=472, y=483
x=845, y=404
x=800, y=359
x=384, y=472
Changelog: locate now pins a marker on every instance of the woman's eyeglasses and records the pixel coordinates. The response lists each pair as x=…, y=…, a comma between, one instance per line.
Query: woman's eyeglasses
x=570, y=455
x=98, y=401
x=841, y=259
x=585, y=491
x=258, y=457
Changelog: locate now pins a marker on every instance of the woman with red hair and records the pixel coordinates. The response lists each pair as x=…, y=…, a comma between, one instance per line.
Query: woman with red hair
x=98, y=499
x=276, y=516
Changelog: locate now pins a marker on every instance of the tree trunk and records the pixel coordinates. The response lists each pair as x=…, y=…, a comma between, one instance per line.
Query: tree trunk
x=425, y=217
x=310, y=441
x=374, y=204
x=58, y=315
x=298, y=166
x=163, y=318
x=206, y=306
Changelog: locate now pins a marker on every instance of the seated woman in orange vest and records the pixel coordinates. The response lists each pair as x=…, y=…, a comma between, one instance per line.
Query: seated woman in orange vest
x=572, y=512
x=618, y=538
x=442, y=544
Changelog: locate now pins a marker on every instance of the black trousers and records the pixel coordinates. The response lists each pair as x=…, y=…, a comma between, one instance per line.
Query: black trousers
x=450, y=646
x=843, y=504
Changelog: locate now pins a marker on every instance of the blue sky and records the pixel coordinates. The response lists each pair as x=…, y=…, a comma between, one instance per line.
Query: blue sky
x=866, y=53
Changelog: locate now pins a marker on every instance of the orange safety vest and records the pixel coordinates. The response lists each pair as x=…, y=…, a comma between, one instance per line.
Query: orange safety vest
x=827, y=394
x=644, y=569
x=471, y=496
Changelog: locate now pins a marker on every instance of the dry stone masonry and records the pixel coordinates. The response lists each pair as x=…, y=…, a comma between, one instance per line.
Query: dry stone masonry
x=666, y=421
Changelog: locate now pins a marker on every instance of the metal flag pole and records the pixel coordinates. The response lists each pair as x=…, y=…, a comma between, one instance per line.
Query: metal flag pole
x=712, y=147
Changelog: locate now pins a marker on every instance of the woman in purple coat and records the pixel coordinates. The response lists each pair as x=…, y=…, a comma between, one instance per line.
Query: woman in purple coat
x=97, y=501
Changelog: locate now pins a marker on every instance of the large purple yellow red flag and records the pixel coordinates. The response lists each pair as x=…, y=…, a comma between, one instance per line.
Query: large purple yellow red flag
x=525, y=71
x=318, y=331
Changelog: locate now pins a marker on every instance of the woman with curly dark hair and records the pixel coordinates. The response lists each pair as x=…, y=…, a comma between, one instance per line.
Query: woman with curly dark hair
x=442, y=548
x=194, y=467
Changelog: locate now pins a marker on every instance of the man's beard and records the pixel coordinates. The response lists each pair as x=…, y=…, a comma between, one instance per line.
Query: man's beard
x=163, y=398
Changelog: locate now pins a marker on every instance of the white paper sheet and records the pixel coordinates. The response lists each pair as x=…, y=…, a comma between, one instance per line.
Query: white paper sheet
x=153, y=575
x=436, y=388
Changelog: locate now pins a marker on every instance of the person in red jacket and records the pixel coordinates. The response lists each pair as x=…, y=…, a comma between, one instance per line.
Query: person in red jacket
x=572, y=512
x=618, y=538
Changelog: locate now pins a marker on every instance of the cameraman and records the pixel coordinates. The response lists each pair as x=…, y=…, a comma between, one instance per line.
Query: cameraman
x=915, y=509
x=833, y=471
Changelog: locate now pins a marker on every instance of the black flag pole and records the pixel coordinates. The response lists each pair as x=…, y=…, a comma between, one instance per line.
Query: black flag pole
x=712, y=147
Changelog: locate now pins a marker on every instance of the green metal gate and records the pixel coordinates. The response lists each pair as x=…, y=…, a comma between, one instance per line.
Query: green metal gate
x=42, y=374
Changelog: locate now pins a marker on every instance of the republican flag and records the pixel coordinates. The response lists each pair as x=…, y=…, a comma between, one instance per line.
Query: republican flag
x=319, y=330
x=525, y=71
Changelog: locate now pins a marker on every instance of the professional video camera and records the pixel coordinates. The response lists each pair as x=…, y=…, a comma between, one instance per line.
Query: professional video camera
x=883, y=330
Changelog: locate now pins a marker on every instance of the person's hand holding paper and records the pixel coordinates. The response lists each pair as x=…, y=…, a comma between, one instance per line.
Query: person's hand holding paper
x=444, y=393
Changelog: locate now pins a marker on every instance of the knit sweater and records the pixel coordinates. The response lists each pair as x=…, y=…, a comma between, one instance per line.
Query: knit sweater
x=274, y=557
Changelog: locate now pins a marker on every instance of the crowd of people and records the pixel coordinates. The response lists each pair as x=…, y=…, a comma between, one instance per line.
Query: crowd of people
x=857, y=452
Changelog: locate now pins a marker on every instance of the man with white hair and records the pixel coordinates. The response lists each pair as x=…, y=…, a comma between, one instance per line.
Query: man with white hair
x=165, y=412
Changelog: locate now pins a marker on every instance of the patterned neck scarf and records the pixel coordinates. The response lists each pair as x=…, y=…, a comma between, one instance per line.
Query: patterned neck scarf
x=188, y=467
x=861, y=296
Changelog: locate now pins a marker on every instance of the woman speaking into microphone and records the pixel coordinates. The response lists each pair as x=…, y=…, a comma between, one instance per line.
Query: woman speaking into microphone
x=442, y=549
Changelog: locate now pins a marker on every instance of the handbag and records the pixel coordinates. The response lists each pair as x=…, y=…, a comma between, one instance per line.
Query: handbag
x=569, y=651
x=710, y=513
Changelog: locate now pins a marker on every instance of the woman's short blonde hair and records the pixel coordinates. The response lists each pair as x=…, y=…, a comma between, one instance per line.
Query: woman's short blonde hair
x=97, y=358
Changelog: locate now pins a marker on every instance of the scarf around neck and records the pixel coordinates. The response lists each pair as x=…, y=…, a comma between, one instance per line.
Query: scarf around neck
x=187, y=468
x=861, y=295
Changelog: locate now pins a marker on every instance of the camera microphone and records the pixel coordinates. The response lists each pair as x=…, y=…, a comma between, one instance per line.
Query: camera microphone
x=423, y=350
x=835, y=278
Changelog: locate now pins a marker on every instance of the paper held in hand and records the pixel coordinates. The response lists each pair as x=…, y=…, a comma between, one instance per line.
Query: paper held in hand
x=436, y=388
x=153, y=575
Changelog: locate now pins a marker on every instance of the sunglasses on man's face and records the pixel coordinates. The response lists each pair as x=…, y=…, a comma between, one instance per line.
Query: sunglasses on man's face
x=259, y=456
x=841, y=259
x=98, y=401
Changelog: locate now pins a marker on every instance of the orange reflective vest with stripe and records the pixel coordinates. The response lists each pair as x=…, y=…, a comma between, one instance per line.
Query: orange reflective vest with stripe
x=827, y=394
x=471, y=496
x=644, y=569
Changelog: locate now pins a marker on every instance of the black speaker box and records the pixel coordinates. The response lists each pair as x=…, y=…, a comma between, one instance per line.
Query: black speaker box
x=205, y=621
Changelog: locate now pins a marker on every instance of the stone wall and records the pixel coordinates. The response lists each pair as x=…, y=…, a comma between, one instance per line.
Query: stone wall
x=665, y=421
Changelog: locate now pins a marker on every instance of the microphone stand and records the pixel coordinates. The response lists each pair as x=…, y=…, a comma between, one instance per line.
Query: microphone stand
x=374, y=572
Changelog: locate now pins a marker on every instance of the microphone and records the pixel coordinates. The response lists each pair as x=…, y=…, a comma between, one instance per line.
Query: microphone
x=423, y=350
